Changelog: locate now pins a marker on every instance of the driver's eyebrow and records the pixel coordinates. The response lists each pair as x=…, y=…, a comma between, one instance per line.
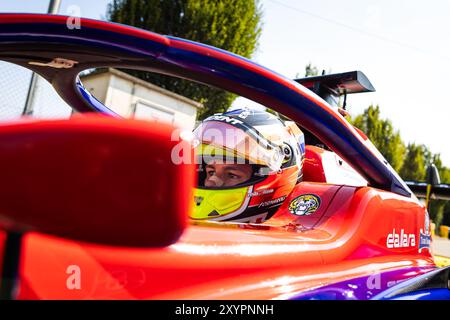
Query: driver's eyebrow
x=232, y=168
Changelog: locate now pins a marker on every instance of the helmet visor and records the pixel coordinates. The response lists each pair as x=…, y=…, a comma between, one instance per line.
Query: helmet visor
x=219, y=142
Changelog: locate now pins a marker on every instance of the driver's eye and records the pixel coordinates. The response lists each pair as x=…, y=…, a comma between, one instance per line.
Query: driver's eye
x=233, y=176
x=210, y=172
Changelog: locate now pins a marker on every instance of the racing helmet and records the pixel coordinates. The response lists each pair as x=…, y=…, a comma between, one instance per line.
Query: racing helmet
x=248, y=162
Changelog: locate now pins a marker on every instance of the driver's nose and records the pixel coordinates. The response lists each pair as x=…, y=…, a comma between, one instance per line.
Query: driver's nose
x=216, y=181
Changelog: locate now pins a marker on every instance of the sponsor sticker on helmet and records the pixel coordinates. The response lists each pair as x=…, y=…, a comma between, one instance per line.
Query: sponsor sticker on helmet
x=223, y=118
x=304, y=205
x=272, y=202
x=198, y=200
x=260, y=193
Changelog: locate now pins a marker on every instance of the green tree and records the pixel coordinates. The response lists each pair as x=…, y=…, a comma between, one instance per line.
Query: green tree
x=439, y=212
x=382, y=134
x=446, y=214
x=440, y=209
x=233, y=25
x=311, y=71
x=415, y=163
x=444, y=172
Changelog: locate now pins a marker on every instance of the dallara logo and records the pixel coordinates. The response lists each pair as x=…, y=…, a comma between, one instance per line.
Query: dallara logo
x=400, y=240
x=304, y=205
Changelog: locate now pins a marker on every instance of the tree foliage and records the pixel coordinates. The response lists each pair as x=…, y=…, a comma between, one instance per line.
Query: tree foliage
x=440, y=209
x=415, y=162
x=311, y=71
x=444, y=172
x=382, y=134
x=233, y=25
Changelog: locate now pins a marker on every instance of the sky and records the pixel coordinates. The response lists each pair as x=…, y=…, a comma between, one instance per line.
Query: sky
x=402, y=46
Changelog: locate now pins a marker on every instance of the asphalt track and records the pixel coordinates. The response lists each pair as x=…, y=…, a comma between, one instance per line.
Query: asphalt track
x=441, y=247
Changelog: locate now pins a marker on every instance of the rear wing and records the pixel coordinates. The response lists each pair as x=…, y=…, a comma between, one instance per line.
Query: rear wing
x=438, y=192
x=331, y=86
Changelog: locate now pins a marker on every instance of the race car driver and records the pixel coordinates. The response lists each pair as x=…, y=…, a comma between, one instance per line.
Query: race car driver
x=248, y=161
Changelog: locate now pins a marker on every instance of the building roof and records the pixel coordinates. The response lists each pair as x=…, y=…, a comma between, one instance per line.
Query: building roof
x=143, y=83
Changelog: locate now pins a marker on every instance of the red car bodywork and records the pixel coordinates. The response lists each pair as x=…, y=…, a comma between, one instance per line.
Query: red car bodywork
x=345, y=238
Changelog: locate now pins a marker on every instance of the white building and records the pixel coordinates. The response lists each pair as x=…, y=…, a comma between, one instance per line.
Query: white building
x=132, y=97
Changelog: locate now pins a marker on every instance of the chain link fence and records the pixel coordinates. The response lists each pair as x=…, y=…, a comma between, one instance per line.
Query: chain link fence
x=14, y=87
x=13, y=90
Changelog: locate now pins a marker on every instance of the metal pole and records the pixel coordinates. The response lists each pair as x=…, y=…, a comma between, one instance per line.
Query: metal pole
x=53, y=8
x=10, y=270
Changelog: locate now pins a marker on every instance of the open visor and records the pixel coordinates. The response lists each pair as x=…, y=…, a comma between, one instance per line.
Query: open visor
x=221, y=142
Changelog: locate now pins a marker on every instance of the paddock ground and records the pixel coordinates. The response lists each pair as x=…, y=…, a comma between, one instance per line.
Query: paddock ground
x=441, y=251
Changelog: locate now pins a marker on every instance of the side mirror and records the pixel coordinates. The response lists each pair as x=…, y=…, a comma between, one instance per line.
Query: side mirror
x=95, y=179
x=433, y=175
